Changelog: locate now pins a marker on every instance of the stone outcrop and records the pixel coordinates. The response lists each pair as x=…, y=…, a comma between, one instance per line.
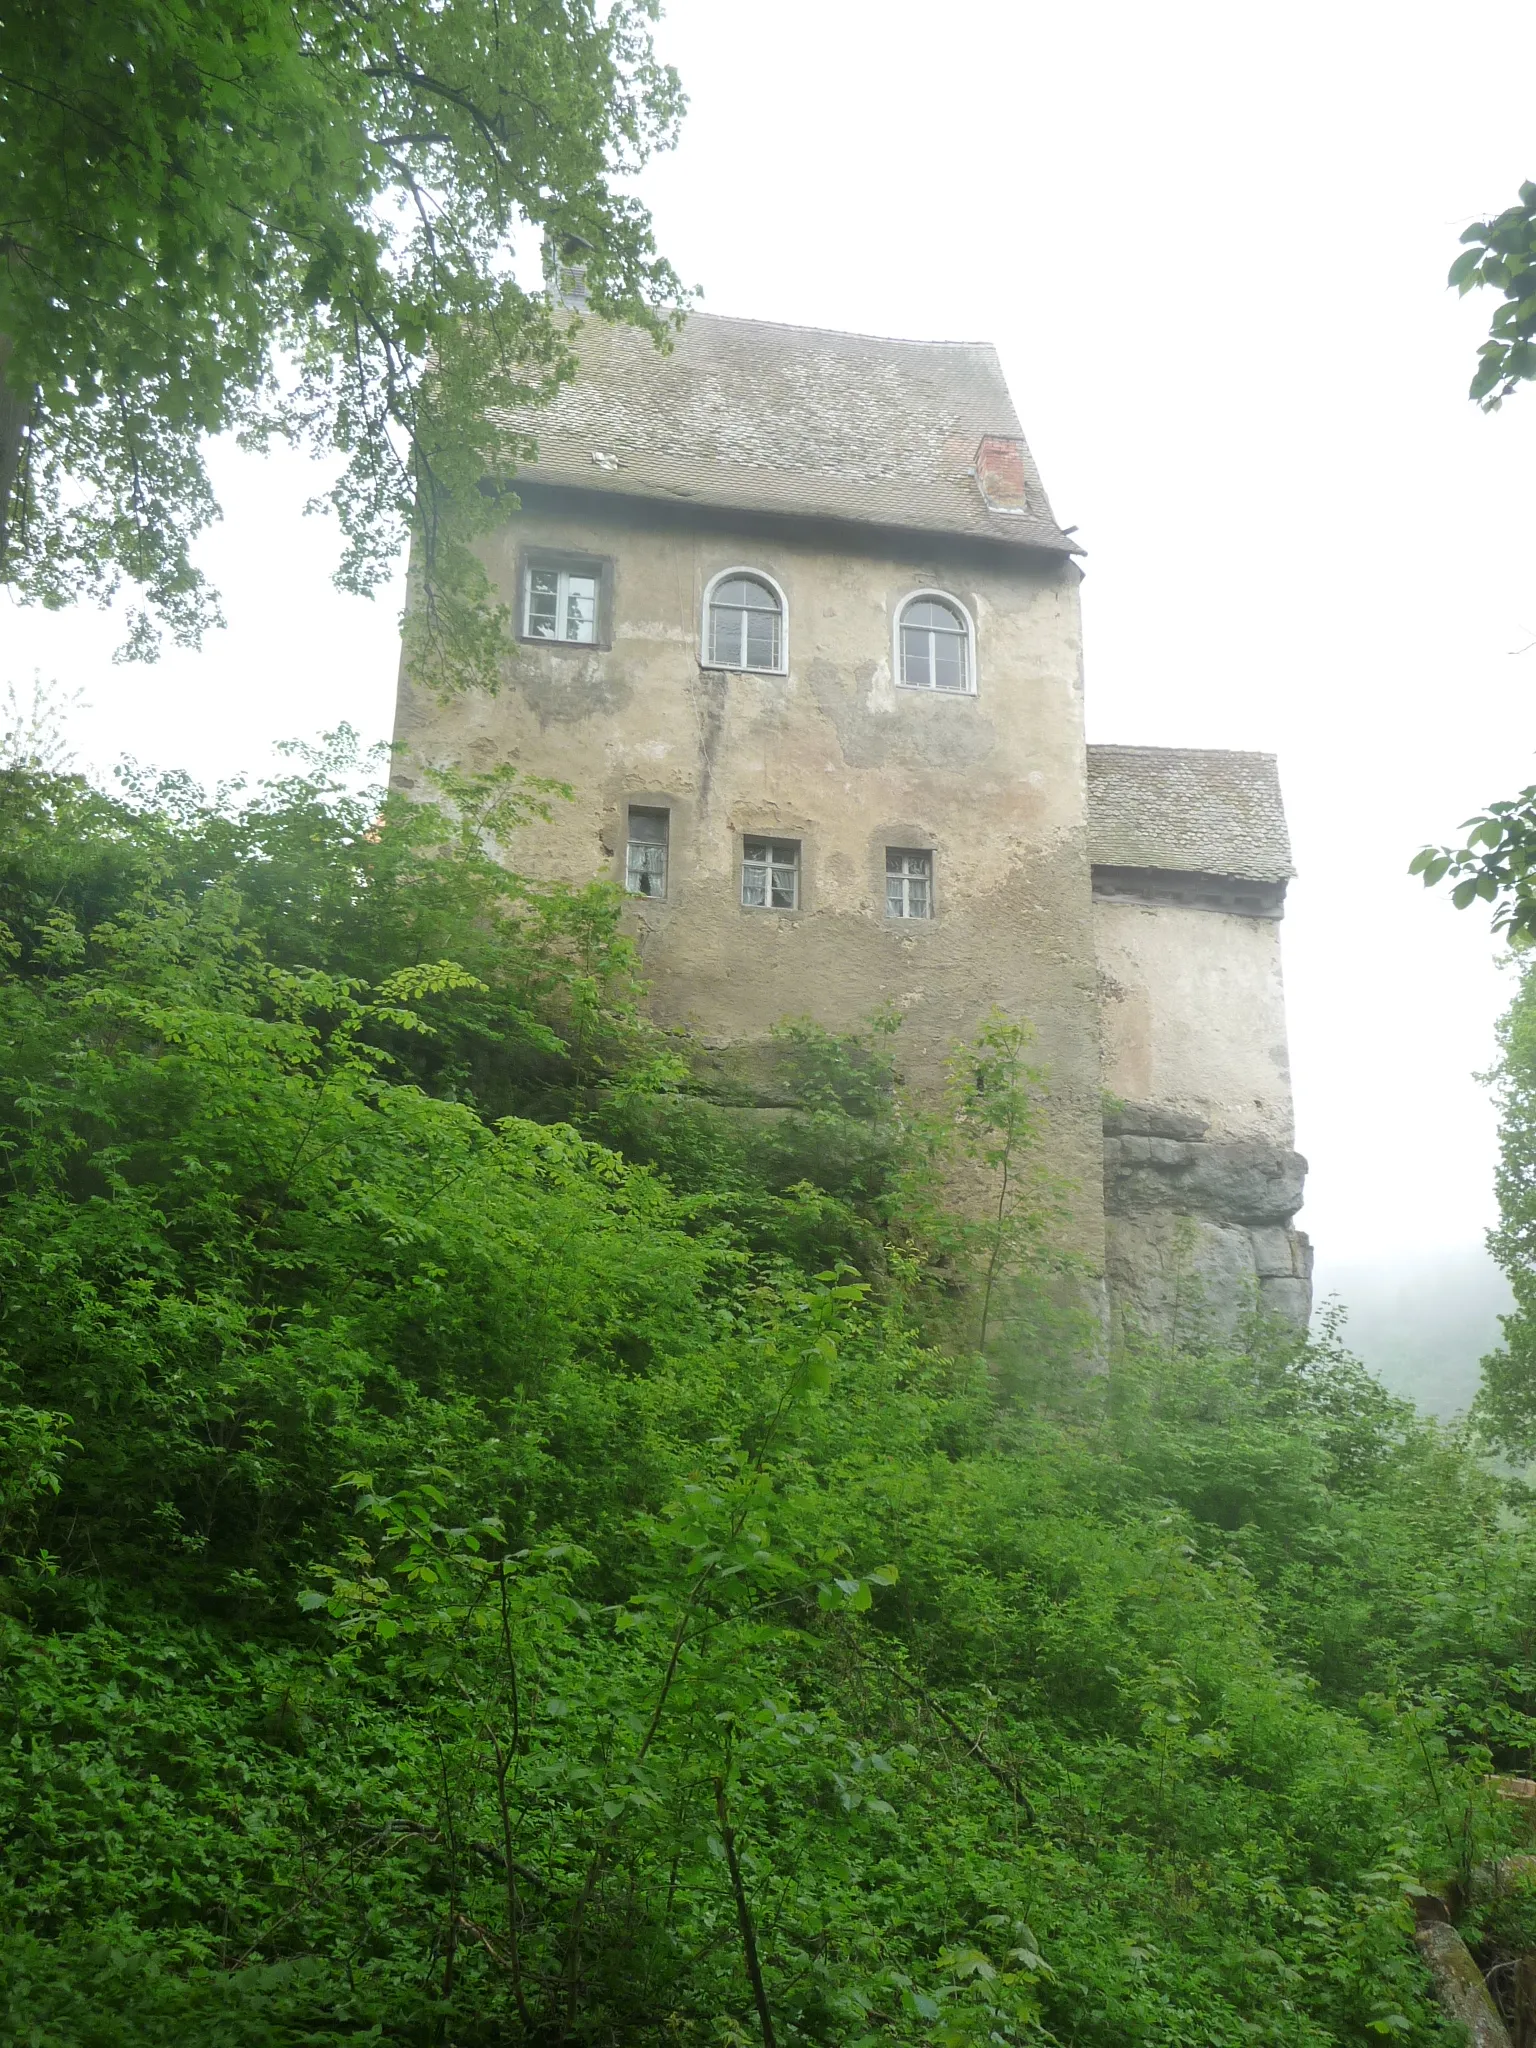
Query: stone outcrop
x=1458, y=1982
x=1199, y=1228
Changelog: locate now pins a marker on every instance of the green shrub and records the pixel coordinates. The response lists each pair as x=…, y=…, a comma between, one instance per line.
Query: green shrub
x=464, y=1580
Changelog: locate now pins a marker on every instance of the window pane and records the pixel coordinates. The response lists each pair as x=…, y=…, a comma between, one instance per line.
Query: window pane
x=645, y=860
x=949, y=661
x=725, y=631
x=770, y=874
x=927, y=611
x=915, y=664
x=908, y=881
x=561, y=604
x=748, y=592
x=745, y=625
x=646, y=874
x=581, y=608
x=935, y=646
x=543, y=604
x=903, y=860
x=762, y=639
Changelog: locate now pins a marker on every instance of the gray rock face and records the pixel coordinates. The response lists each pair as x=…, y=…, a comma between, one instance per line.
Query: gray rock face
x=1151, y=1120
x=1187, y=1278
x=1274, y=1251
x=1199, y=1229
x=1245, y=1180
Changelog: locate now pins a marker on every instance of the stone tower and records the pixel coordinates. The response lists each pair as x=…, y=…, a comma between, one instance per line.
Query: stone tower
x=796, y=621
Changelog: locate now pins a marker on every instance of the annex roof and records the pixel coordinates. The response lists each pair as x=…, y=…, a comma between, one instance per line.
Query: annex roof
x=752, y=416
x=1187, y=810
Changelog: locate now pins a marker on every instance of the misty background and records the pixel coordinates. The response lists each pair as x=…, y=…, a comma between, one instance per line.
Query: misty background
x=1210, y=244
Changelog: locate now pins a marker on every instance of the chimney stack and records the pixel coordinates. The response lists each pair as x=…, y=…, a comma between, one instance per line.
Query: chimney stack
x=1000, y=473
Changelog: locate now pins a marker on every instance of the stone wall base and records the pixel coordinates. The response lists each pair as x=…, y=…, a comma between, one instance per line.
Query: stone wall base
x=1183, y=1277
x=1199, y=1229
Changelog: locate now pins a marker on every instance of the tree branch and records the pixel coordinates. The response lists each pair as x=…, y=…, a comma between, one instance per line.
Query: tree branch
x=744, y=1917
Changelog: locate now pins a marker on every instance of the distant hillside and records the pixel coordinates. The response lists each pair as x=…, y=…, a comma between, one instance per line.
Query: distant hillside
x=1421, y=1324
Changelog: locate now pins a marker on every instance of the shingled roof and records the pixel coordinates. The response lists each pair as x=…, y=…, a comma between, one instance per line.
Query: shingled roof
x=747, y=415
x=1187, y=810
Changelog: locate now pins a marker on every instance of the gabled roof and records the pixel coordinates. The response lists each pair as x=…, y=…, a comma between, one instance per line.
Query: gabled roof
x=747, y=415
x=1187, y=810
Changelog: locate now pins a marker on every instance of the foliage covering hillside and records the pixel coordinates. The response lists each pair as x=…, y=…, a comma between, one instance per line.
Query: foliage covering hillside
x=498, y=1550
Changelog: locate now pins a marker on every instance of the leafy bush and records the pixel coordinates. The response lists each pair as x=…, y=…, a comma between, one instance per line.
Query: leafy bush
x=470, y=1582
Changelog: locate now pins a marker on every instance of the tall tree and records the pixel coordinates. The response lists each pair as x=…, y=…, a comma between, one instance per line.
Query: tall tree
x=1496, y=863
x=295, y=217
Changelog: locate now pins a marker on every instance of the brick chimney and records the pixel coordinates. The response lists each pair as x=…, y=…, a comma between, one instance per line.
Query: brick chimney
x=1000, y=473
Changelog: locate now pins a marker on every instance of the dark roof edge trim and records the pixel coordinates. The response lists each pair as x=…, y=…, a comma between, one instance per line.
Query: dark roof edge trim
x=1232, y=895
x=999, y=545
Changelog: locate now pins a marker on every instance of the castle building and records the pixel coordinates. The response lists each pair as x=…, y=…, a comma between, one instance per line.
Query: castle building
x=795, y=620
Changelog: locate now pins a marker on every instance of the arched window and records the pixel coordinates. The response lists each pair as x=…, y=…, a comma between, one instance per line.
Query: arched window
x=744, y=623
x=934, y=645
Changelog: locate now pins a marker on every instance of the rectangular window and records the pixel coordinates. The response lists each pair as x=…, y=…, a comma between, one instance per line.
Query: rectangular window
x=908, y=882
x=560, y=604
x=770, y=874
x=645, y=863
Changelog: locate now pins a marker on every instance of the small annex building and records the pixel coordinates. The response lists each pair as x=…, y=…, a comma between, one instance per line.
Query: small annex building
x=795, y=620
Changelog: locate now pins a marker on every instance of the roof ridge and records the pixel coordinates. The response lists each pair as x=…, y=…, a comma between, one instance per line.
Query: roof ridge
x=1137, y=747
x=844, y=333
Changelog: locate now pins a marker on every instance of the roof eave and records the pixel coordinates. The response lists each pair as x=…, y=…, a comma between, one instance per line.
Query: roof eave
x=1031, y=537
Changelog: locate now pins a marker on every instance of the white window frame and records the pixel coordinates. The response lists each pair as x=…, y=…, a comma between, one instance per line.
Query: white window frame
x=563, y=569
x=733, y=668
x=767, y=839
x=905, y=853
x=945, y=597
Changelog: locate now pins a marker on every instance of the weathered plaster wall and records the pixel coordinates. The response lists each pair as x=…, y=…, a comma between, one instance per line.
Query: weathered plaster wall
x=1201, y=1178
x=833, y=754
x=1194, y=1015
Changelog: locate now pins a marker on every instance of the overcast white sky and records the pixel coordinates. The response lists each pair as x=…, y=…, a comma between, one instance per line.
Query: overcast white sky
x=1210, y=242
